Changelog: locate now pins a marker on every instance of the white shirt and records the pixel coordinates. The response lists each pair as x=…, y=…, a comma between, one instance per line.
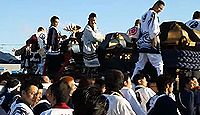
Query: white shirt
x=56, y=111
x=130, y=96
x=89, y=49
x=20, y=109
x=194, y=24
x=118, y=105
x=145, y=94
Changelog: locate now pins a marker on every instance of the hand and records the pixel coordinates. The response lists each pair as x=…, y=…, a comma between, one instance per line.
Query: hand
x=155, y=41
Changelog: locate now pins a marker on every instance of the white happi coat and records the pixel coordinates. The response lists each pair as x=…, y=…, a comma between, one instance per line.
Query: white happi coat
x=90, y=37
x=194, y=24
x=149, y=30
x=130, y=96
x=118, y=105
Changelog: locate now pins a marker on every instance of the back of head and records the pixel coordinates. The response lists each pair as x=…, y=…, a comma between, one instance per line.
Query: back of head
x=137, y=22
x=12, y=85
x=163, y=81
x=67, y=79
x=114, y=80
x=40, y=29
x=183, y=81
x=61, y=95
x=89, y=101
x=196, y=15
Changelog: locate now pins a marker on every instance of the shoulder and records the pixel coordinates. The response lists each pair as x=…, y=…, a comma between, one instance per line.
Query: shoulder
x=55, y=111
x=21, y=108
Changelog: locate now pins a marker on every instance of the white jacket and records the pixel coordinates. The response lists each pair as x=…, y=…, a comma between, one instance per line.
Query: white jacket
x=89, y=38
x=130, y=96
x=118, y=105
x=145, y=94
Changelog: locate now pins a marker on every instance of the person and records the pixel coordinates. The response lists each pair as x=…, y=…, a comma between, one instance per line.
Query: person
x=58, y=98
x=33, y=46
x=195, y=22
x=36, y=41
x=38, y=96
x=196, y=90
x=89, y=101
x=43, y=104
x=161, y=103
x=90, y=37
x=53, y=37
x=22, y=106
x=185, y=98
x=130, y=95
x=143, y=93
x=118, y=105
x=149, y=43
x=10, y=94
x=134, y=32
x=68, y=81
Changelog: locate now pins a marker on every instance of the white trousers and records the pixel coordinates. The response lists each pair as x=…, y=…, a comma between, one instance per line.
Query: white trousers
x=155, y=60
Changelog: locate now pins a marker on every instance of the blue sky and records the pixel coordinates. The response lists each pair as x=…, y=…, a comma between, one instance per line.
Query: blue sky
x=21, y=18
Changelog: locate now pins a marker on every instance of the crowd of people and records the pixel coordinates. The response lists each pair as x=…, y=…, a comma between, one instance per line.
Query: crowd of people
x=115, y=93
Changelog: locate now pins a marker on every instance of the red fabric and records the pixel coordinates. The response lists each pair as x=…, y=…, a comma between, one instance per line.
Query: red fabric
x=62, y=106
x=67, y=57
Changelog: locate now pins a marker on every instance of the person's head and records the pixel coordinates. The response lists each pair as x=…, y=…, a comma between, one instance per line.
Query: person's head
x=38, y=96
x=89, y=101
x=196, y=15
x=158, y=6
x=92, y=20
x=28, y=91
x=165, y=84
x=127, y=80
x=138, y=22
x=40, y=29
x=186, y=83
x=100, y=83
x=68, y=81
x=86, y=82
x=54, y=21
x=13, y=86
x=56, y=95
x=140, y=79
x=114, y=80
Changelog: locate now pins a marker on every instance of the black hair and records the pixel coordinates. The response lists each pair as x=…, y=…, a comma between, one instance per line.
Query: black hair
x=60, y=95
x=139, y=77
x=89, y=101
x=163, y=81
x=40, y=29
x=26, y=85
x=183, y=81
x=92, y=15
x=196, y=15
x=159, y=2
x=126, y=76
x=114, y=80
x=138, y=21
x=53, y=19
